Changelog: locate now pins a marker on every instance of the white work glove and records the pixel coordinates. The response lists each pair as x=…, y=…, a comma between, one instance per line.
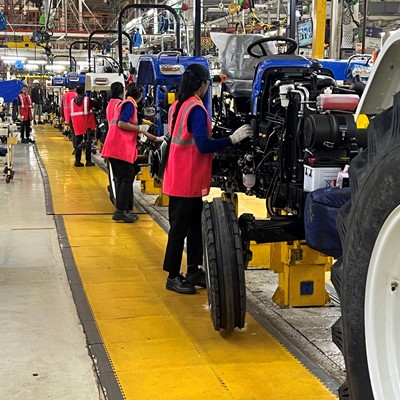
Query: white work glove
x=20, y=117
x=143, y=128
x=160, y=138
x=241, y=133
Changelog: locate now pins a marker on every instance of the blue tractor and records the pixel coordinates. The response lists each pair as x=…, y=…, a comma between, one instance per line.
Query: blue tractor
x=160, y=76
x=304, y=133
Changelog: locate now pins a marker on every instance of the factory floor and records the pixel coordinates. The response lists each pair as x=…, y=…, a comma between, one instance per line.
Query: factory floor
x=86, y=314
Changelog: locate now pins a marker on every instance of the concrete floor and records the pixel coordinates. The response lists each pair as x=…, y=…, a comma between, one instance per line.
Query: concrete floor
x=43, y=353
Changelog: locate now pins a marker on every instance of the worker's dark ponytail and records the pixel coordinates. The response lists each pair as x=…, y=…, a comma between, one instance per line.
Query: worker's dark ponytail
x=192, y=79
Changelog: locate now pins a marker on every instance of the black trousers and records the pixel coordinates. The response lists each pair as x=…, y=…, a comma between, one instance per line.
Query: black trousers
x=77, y=140
x=25, y=129
x=185, y=222
x=124, y=175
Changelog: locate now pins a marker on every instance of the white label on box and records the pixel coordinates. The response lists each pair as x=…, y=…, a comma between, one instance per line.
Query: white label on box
x=319, y=177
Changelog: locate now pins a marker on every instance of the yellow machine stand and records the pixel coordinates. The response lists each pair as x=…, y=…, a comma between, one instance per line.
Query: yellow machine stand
x=147, y=183
x=150, y=185
x=301, y=281
x=261, y=256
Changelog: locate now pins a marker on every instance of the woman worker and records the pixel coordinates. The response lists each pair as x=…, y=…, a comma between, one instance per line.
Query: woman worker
x=187, y=177
x=120, y=148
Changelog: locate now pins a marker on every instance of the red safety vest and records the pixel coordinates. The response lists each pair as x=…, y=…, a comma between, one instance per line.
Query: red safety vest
x=82, y=116
x=111, y=108
x=26, y=111
x=119, y=143
x=66, y=106
x=188, y=172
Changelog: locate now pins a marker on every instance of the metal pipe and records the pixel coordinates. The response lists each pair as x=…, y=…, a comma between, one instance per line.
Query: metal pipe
x=197, y=27
x=292, y=19
x=143, y=6
x=364, y=28
x=70, y=50
x=105, y=31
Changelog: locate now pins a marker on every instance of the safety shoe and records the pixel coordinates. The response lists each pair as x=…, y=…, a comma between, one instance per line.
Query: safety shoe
x=31, y=141
x=90, y=164
x=197, y=278
x=180, y=285
x=78, y=164
x=125, y=216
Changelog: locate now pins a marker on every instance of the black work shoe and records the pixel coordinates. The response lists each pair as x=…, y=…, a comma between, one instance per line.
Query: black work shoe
x=90, y=164
x=180, y=285
x=197, y=278
x=31, y=141
x=78, y=164
x=124, y=216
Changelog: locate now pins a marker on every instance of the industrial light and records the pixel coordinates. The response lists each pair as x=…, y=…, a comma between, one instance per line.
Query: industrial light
x=12, y=58
x=38, y=62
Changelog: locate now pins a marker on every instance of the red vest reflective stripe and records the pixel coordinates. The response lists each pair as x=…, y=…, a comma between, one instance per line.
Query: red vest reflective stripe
x=188, y=172
x=66, y=106
x=26, y=111
x=111, y=108
x=121, y=144
x=82, y=117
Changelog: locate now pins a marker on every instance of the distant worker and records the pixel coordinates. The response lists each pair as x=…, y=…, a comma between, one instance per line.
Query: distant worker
x=37, y=96
x=25, y=115
x=132, y=76
x=120, y=148
x=65, y=109
x=83, y=122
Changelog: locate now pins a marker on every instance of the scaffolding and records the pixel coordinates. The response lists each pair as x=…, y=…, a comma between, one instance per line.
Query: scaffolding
x=64, y=16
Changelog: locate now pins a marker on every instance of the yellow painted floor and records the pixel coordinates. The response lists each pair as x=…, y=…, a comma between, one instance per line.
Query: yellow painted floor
x=161, y=345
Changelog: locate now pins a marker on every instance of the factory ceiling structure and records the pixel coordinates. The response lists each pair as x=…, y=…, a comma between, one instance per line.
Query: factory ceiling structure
x=66, y=21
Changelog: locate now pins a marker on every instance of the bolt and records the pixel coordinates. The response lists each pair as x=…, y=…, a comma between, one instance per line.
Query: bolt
x=394, y=285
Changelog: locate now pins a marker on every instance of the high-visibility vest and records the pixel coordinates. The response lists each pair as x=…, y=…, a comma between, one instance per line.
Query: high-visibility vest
x=187, y=172
x=82, y=116
x=119, y=143
x=25, y=110
x=111, y=108
x=66, y=106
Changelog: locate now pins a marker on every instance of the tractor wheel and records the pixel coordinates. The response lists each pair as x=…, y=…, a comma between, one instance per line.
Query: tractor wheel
x=367, y=276
x=224, y=265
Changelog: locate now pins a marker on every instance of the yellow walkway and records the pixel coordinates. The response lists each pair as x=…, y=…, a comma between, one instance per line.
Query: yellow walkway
x=161, y=345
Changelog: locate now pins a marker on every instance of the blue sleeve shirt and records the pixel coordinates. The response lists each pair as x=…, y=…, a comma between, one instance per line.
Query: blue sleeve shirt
x=197, y=125
x=127, y=111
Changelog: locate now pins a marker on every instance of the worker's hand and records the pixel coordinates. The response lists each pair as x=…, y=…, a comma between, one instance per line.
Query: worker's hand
x=241, y=133
x=161, y=138
x=20, y=117
x=143, y=128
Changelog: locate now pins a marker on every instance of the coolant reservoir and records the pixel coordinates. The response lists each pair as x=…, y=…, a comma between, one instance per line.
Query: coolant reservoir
x=340, y=102
x=249, y=180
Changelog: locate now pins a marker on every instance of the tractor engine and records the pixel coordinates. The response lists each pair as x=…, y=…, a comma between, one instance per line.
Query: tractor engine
x=304, y=133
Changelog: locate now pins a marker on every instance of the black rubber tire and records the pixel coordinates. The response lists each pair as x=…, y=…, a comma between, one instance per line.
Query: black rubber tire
x=224, y=265
x=375, y=182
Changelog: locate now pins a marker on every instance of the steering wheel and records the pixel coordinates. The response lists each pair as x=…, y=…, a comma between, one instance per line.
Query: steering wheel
x=292, y=45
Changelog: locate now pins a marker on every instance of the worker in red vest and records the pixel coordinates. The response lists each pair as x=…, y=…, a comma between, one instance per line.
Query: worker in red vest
x=120, y=148
x=65, y=109
x=25, y=115
x=83, y=122
x=187, y=177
